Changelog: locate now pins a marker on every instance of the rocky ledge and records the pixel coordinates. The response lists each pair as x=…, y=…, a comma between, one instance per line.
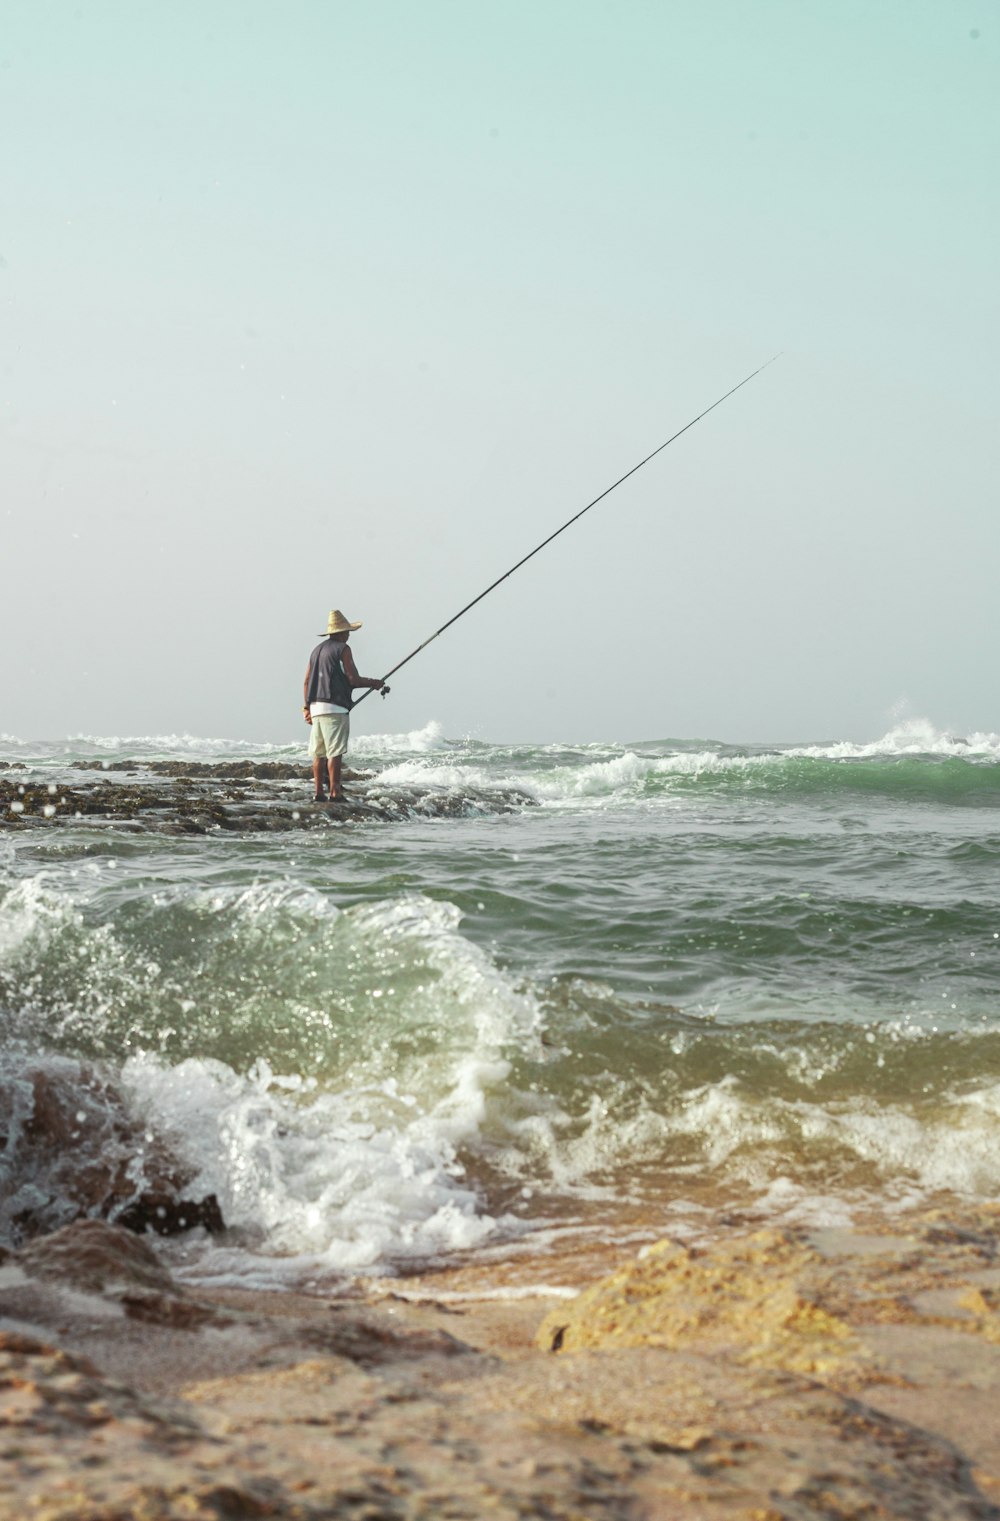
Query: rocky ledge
x=191, y=797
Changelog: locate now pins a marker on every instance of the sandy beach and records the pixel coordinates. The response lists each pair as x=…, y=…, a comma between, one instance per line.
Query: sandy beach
x=769, y=1375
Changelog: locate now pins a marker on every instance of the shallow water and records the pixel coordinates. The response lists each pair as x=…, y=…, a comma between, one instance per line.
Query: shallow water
x=693, y=972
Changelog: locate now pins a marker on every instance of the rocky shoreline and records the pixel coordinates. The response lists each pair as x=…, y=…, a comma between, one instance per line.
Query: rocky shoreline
x=197, y=798
x=767, y=1376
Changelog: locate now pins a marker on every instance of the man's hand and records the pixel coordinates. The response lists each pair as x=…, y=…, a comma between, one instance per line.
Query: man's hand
x=307, y=715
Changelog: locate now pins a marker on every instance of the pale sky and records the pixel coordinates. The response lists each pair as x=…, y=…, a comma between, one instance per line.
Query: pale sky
x=314, y=304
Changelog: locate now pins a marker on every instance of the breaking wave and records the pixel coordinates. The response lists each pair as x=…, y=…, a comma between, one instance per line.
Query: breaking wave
x=318, y=1071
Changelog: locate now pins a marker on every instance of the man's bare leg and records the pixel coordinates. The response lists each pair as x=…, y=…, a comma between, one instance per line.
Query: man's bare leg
x=318, y=778
x=334, y=766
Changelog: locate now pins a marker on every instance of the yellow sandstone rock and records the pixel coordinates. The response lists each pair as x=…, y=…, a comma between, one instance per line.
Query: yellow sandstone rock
x=767, y=1297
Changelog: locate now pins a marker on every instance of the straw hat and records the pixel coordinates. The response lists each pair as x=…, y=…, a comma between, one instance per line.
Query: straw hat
x=338, y=624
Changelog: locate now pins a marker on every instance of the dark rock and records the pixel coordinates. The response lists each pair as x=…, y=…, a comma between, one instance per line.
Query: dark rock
x=71, y=1151
x=170, y=1310
x=90, y=1254
x=169, y=1216
x=370, y=1341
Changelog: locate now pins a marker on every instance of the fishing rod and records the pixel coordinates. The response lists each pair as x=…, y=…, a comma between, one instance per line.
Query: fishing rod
x=568, y=524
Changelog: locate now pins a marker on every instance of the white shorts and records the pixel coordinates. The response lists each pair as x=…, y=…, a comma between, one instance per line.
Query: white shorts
x=329, y=735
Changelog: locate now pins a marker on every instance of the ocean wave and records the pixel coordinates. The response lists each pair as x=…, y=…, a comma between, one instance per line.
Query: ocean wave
x=911, y=755
x=419, y=741
x=914, y=759
x=918, y=777
x=106, y=748
x=182, y=745
x=917, y=736
x=791, y=1011
x=555, y=783
x=724, y=1138
x=457, y=776
x=343, y=1182
x=185, y=969
x=949, y=1144
x=318, y=1069
x=362, y=1086
x=139, y=747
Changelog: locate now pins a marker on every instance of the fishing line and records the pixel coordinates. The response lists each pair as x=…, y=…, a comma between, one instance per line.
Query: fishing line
x=568, y=524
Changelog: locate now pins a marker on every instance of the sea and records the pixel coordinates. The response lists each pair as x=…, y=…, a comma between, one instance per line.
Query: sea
x=682, y=982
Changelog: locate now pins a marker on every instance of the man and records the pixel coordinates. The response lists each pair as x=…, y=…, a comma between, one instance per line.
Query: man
x=331, y=678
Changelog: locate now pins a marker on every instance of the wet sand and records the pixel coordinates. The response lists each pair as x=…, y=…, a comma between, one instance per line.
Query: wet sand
x=768, y=1375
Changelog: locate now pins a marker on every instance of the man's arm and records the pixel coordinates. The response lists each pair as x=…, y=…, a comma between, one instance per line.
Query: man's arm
x=305, y=695
x=351, y=672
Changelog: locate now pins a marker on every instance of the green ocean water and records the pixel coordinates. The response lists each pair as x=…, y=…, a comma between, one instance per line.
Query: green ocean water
x=684, y=972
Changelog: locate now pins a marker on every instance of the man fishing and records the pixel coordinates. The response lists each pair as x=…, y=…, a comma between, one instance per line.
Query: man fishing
x=331, y=677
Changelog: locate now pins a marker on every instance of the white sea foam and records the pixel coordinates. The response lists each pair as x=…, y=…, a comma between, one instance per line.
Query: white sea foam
x=254, y=902
x=917, y=736
x=592, y=782
x=768, y=1147
x=624, y=774
x=506, y=1294
x=347, y=1166
x=957, y=1148
x=33, y=912
x=791, y=1203
x=576, y=782
x=584, y=1163
x=417, y=741
x=195, y=747
x=600, y=779
x=453, y=776
x=365, y=1173
x=315, y=1181
x=185, y=745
